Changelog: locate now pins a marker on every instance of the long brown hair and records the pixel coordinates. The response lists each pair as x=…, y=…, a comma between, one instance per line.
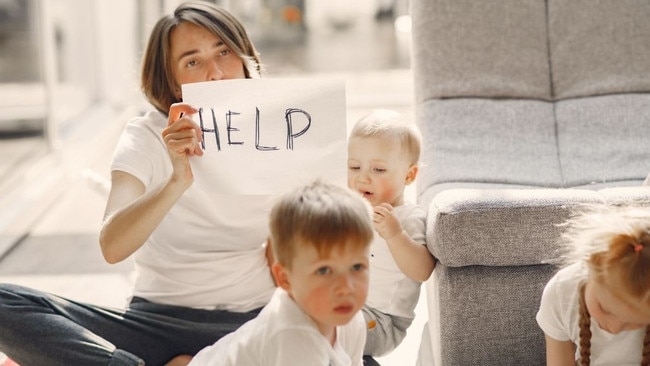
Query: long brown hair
x=157, y=79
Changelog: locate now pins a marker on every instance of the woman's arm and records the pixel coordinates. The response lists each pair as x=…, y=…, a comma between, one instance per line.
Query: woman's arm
x=559, y=353
x=131, y=214
x=412, y=258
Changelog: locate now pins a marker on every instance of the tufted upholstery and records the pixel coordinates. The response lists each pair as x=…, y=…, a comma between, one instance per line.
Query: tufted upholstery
x=527, y=109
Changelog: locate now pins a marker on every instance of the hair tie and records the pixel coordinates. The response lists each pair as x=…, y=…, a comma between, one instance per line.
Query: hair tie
x=638, y=247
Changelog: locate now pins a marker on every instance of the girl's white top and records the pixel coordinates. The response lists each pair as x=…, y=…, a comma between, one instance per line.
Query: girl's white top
x=558, y=317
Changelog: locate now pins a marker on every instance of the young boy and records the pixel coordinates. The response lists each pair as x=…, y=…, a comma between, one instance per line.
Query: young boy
x=320, y=236
x=383, y=154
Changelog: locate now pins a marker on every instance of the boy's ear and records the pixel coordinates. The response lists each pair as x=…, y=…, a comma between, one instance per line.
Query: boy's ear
x=411, y=174
x=280, y=276
x=270, y=258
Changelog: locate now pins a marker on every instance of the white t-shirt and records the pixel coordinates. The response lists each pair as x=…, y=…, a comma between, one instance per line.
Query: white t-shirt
x=207, y=252
x=558, y=317
x=282, y=334
x=390, y=290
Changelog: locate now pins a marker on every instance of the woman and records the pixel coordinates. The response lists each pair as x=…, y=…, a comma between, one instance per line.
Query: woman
x=202, y=270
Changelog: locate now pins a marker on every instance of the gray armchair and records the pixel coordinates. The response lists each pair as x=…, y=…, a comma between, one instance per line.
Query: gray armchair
x=527, y=109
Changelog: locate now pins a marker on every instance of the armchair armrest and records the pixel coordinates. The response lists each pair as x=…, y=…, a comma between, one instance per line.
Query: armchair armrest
x=500, y=227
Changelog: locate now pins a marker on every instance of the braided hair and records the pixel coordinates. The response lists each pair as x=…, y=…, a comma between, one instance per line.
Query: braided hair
x=585, y=333
x=619, y=237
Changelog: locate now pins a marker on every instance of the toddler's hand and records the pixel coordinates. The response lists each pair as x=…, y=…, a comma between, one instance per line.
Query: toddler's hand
x=385, y=222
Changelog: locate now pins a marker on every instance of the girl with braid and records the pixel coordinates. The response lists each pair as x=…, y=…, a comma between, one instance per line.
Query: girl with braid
x=596, y=311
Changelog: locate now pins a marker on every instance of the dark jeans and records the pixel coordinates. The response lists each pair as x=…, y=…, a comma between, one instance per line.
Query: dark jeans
x=369, y=361
x=43, y=329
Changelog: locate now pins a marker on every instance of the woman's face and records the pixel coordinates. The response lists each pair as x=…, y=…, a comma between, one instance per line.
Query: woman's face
x=198, y=55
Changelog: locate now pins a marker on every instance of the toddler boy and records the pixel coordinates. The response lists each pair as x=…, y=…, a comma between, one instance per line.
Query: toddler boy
x=383, y=154
x=320, y=236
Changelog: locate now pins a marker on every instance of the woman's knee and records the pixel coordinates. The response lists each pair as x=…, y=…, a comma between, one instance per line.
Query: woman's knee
x=15, y=297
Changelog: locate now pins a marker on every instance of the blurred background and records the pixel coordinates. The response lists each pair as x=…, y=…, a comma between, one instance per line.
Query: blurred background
x=70, y=67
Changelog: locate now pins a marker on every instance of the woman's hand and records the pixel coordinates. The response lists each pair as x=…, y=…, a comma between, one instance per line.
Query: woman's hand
x=133, y=213
x=182, y=137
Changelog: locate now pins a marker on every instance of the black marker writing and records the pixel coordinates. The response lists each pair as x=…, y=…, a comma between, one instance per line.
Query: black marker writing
x=204, y=130
x=257, y=134
x=230, y=129
x=288, y=116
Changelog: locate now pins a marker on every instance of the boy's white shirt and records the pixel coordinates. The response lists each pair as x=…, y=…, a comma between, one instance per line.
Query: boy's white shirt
x=558, y=317
x=390, y=290
x=282, y=334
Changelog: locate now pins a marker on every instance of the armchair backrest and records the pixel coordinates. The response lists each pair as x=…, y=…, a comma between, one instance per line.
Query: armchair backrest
x=551, y=93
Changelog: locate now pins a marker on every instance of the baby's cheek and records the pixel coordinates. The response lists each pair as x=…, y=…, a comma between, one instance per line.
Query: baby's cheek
x=390, y=191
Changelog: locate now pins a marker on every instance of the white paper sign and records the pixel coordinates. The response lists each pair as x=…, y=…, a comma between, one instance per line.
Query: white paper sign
x=263, y=136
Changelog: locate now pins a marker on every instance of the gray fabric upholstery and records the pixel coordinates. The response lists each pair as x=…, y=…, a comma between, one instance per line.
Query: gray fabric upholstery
x=510, y=141
x=527, y=108
x=426, y=198
x=626, y=195
x=506, y=227
x=604, y=138
x=491, y=331
x=481, y=49
x=599, y=46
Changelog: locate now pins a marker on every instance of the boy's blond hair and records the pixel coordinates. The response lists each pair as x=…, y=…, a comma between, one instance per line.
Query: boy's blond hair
x=389, y=123
x=323, y=215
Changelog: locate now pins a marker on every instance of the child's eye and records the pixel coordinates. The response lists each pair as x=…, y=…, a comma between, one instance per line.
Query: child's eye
x=358, y=267
x=225, y=52
x=191, y=63
x=354, y=168
x=323, y=271
x=379, y=170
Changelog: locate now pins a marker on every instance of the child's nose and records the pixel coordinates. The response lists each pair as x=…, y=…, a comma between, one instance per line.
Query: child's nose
x=344, y=284
x=363, y=176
